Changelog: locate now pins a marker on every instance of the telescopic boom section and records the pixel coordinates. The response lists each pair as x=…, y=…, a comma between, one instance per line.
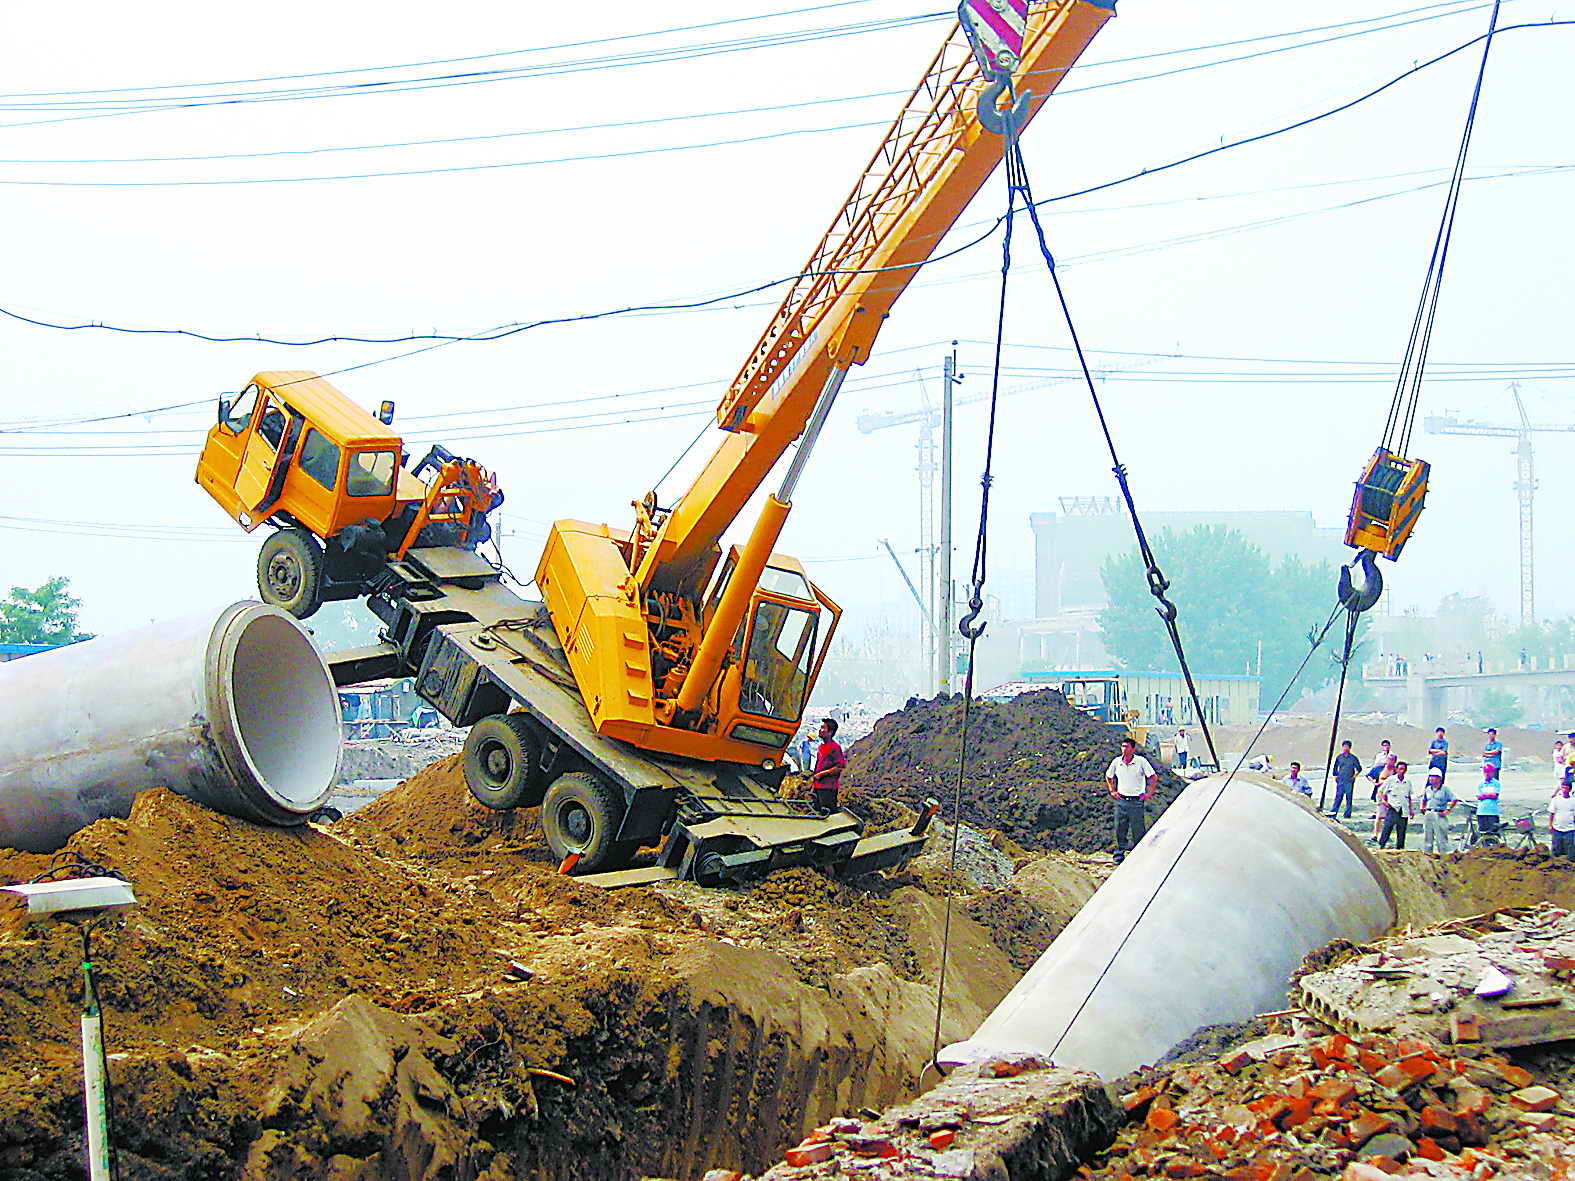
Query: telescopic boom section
x=934, y=159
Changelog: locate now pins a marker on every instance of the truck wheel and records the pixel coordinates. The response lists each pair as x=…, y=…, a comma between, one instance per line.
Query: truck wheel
x=290, y=571
x=581, y=814
x=501, y=757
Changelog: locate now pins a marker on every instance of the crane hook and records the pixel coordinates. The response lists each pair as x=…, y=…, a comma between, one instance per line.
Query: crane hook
x=1002, y=120
x=1358, y=599
x=966, y=624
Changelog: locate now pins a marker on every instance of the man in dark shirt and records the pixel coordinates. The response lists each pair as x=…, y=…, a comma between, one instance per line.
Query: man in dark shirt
x=1346, y=766
x=1438, y=754
x=827, y=776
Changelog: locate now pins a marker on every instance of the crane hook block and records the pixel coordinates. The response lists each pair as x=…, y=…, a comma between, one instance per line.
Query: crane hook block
x=1357, y=599
x=1387, y=504
x=995, y=31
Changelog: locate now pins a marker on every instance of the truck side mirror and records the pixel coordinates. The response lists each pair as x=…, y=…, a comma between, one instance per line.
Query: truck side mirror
x=224, y=408
x=385, y=413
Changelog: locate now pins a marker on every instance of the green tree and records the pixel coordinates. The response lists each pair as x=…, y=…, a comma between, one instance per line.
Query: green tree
x=46, y=614
x=1230, y=598
x=1497, y=707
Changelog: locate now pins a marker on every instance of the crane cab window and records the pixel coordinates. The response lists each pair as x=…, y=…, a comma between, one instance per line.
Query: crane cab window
x=778, y=663
x=320, y=459
x=784, y=582
x=271, y=425
x=371, y=473
x=239, y=415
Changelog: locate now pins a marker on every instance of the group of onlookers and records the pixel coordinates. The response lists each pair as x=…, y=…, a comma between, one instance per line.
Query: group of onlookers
x=1399, y=800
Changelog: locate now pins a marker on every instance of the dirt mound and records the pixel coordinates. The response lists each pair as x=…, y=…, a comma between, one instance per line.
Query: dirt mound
x=1036, y=768
x=1431, y=889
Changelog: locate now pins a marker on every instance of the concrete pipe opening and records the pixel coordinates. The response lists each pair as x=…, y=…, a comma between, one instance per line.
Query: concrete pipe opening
x=282, y=713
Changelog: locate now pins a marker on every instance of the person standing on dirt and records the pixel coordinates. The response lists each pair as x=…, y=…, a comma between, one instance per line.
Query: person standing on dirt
x=1487, y=800
x=1437, y=803
x=827, y=777
x=1438, y=754
x=1399, y=806
x=1183, y=748
x=1561, y=821
x=1493, y=751
x=1346, y=765
x=1130, y=779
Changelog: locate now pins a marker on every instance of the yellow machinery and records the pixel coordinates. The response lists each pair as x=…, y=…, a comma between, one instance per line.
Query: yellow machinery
x=650, y=695
x=1387, y=504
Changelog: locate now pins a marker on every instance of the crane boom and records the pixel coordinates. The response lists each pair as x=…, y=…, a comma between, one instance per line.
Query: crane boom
x=933, y=160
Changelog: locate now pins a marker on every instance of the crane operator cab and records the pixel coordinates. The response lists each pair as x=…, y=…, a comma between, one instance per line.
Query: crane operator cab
x=775, y=656
x=290, y=450
x=1387, y=503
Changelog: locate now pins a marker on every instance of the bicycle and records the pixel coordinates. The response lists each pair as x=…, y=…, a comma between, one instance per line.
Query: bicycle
x=1517, y=833
x=1474, y=836
x=1523, y=831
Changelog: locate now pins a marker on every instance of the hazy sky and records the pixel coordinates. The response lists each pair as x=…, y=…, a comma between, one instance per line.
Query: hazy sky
x=1248, y=310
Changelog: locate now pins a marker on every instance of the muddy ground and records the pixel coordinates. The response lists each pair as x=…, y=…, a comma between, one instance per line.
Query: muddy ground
x=415, y=992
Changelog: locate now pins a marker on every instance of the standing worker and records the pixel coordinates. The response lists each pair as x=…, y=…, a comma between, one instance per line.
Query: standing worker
x=1493, y=751
x=1561, y=821
x=1183, y=748
x=827, y=776
x=1437, y=803
x=806, y=754
x=1487, y=800
x=1438, y=754
x=1346, y=765
x=1400, y=806
x=1130, y=779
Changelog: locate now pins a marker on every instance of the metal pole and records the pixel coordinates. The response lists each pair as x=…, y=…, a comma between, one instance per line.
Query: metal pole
x=943, y=647
x=93, y=1085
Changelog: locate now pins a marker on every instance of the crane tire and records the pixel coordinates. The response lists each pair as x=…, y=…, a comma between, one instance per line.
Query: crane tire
x=581, y=814
x=290, y=571
x=501, y=761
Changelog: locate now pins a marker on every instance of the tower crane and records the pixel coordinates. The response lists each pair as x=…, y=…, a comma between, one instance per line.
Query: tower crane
x=1525, y=480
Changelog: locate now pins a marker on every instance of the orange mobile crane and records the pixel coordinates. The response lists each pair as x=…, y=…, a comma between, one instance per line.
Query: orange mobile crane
x=649, y=696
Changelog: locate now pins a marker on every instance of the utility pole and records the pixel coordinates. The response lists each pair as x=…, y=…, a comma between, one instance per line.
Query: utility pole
x=944, y=597
x=928, y=604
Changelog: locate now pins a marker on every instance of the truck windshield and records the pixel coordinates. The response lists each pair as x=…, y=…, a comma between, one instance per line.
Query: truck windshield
x=371, y=473
x=778, y=663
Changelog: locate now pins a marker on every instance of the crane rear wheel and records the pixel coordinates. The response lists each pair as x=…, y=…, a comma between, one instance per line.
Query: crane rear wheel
x=581, y=814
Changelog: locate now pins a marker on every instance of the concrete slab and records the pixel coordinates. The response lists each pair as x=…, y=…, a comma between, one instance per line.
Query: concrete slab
x=1426, y=986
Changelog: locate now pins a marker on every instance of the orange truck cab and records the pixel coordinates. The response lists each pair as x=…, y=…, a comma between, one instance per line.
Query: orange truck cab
x=292, y=450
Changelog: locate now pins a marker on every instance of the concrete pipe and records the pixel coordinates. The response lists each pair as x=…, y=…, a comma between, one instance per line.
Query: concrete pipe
x=237, y=713
x=1204, y=923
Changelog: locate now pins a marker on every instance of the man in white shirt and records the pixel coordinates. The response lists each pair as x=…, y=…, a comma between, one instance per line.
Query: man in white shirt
x=1130, y=779
x=1400, y=804
x=1296, y=781
x=1561, y=821
x=1183, y=748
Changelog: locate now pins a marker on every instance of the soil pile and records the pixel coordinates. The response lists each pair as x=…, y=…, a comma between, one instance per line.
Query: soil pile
x=1430, y=889
x=1036, y=768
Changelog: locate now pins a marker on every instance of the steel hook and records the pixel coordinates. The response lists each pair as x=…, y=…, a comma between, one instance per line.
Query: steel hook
x=994, y=117
x=1357, y=599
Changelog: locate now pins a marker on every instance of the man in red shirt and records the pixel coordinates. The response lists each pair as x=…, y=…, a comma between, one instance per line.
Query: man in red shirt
x=827, y=776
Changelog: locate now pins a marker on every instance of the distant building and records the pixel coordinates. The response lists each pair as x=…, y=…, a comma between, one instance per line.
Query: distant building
x=1072, y=545
x=1157, y=698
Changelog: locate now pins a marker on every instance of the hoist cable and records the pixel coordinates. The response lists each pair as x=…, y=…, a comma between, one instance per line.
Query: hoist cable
x=1353, y=617
x=1408, y=386
x=967, y=625
x=1158, y=584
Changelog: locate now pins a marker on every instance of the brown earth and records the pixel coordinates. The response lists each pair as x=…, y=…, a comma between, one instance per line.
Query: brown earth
x=1035, y=769
x=340, y=1002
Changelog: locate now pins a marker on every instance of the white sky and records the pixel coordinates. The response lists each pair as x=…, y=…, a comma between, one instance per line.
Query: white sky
x=462, y=251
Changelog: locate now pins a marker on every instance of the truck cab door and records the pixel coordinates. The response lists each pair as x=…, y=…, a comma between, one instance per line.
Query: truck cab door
x=255, y=477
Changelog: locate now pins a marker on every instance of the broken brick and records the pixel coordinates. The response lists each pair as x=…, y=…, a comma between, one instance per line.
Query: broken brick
x=1537, y=1121
x=942, y=1139
x=1427, y=1148
x=1512, y=1074
x=808, y=1154
x=1470, y=1099
x=1335, y=1091
x=1365, y=1126
x=1438, y=1121
x=1162, y=1119
x=1464, y=1027
x=1370, y=1062
x=1141, y=1097
x=1535, y=1098
x=1235, y=1062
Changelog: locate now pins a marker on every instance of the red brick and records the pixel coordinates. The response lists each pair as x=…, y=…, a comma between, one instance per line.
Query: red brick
x=1370, y=1062
x=1512, y=1074
x=1463, y=1027
x=1558, y=963
x=1407, y=1046
x=1336, y=1091
x=1538, y=1121
x=1296, y=1113
x=819, y=1135
x=1236, y=1061
x=1162, y=1119
x=1138, y=1098
x=1535, y=1098
x=1428, y=1149
x=807, y=1154
x=1367, y=1125
x=1437, y=1121
x=942, y=1139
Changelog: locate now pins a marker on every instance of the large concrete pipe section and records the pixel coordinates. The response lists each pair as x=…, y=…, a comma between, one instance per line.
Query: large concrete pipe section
x=1204, y=923
x=237, y=713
